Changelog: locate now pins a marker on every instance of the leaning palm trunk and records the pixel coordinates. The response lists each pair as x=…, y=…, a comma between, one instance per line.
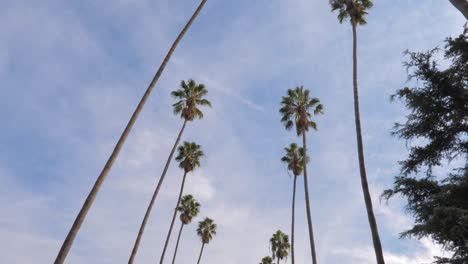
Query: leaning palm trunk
x=362, y=166
x=155, y=194
x=309, y=214
x=173, y=219
x=462, y=6
x=201, y=252
x=177, y=243
x=115, y=153
x=292, y=219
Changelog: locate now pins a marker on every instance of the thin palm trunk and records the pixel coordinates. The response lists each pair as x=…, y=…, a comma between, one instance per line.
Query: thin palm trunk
x=177, y=244
x=201, y=252
x=68, y=242
x=292, y=219
x=309, y=214
x=173, y=218
x=153, y=198
x=362, y=166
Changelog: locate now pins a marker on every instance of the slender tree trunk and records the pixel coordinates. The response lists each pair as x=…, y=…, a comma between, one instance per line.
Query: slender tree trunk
x=153, y=198
x=201, y=252
x=362, y=166
x=173, y=218
x=309, y=214
x=62, y=254
x=462, y=6
x=177, y=244
x=292, y=219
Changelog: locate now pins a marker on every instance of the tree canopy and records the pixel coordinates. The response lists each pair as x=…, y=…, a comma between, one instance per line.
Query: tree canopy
x=438, y=105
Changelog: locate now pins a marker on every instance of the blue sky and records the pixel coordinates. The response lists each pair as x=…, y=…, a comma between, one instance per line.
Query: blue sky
x=73, y=71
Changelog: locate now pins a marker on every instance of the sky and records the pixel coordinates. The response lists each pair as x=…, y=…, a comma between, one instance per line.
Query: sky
x=71, y=73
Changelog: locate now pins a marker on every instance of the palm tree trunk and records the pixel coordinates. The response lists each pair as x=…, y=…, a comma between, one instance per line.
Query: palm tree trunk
x=362, y=166
x=62, y=254
x=177, y=244
x=153, y=198
x=292, y=219
x=173, y=218
x=309, y=214
x=201, y=252
x=462, y=6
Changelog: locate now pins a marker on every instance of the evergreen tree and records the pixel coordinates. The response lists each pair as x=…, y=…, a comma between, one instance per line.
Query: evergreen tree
x=438, y=107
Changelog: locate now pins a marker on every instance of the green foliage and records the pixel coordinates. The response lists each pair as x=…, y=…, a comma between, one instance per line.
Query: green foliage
x=355, y=10
x=267, y=260
x=279, y=245
x=206, y=230
x=294, y=158
x=188, y=208
x=438, y=107
x=295, y=109
x=189, y=155
x=439, y=116
x=190, y=96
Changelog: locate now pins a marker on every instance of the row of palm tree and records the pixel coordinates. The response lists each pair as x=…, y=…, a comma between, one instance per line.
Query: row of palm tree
x=297, y=110
x=188, y=209
x=189, y=98
x=70, y=238
x=189, y=156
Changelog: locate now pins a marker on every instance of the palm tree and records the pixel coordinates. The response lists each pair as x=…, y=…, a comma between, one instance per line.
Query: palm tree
x=68, y=242
x=188, y=209
x=206, y=231
x=267, y=260
x=279, y=246
x=189, y=158
x=295, y=111
x=294, y=158
x=190, y=97
x=356, y=11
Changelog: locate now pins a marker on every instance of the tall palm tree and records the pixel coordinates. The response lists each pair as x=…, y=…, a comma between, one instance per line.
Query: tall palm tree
x=295, y=110
x=267, y=260
x=188, y=209
x=294, y=158
x=279, y=246
x=189, y=158
x=356, y=11
x=68, y=242
x=190, y=97
x=206, y=231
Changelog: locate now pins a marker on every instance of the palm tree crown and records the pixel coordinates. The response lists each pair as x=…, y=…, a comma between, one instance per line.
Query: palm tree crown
x=188, y=208
x=294, y=158
x=189, y=155
x=190, y=95
x=206, y=230
x=279, y=245
x=267, y=260
x=356, y=10
x=295, y=110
